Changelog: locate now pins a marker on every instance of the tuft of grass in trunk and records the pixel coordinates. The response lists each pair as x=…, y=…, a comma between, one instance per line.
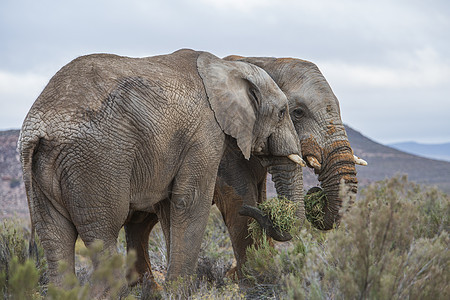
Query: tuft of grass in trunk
x=315, y=207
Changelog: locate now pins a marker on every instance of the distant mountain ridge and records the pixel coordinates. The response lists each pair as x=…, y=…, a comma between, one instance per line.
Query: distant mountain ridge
x=384, y=162
x=434, y=151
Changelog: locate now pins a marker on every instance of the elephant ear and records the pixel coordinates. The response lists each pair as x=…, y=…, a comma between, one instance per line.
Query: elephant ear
x=232, y=97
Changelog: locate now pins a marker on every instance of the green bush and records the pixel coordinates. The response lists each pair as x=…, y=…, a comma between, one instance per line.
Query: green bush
x=107, y=279
x=196, y=289
x=13, y=243
x=262, y=266
x=387, y=247
x=391, y=244
x=14, y=262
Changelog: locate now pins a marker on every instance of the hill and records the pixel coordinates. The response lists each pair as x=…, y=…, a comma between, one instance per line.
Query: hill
x=12, y=192
x=435, y=151
x=384, y=162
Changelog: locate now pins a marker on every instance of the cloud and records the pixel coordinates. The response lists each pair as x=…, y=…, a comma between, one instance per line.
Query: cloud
x=423, y=68
x=395, y=50
x=21, y=83
x=17, y=93
x=237, y=5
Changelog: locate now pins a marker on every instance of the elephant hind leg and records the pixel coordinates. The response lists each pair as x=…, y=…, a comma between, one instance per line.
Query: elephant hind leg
x=57, y=235
x=137, y=234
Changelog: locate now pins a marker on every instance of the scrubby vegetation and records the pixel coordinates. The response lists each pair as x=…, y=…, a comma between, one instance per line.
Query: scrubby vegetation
x=392, y=244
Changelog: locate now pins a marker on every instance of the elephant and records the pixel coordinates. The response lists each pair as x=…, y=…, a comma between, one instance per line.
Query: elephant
x=111, y=138
x=315, y=112
x=241, y=184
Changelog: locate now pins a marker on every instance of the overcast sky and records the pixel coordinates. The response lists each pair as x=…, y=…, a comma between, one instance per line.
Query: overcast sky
x=387, y=61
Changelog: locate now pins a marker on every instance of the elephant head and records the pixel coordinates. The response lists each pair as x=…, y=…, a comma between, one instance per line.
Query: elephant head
x=249, y=106
x=314, y=110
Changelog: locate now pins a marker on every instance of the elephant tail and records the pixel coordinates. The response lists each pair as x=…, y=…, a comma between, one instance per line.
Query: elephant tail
x=27, y=145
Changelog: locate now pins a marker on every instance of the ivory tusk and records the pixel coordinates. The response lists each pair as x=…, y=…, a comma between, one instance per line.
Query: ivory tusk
x=297, y=159
x=359, y=161
x=314, y=162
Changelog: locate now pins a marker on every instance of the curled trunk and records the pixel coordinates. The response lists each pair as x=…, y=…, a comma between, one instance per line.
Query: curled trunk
x=337, y=166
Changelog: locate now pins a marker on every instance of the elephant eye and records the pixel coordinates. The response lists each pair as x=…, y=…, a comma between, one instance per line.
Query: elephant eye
x=282, y=113
x=298, y=112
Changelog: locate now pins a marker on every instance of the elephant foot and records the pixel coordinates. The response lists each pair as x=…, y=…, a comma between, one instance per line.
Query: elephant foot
x=233, y=274
x=150, y=288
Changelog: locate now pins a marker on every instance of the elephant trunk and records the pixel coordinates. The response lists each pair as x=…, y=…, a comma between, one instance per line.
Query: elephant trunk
x=288, y=179
x=338, y=165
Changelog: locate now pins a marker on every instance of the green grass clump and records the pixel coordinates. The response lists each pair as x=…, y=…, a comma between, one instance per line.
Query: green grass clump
x=282, y=213
x=315, y=207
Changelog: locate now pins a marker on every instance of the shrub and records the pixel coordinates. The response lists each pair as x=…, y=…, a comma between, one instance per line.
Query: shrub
x=15, y=182
x=216, y=254
x=22, y=282
x=13, y=243
x=387, y=247
x=107, y=279
x=262, y=266
x=391, y=244
x=194, y=288
x=14, y=262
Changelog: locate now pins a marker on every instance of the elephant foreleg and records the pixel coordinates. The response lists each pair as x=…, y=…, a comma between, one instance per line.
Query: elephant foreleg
x=187, y=226
x=190, y=203
x=137, y=232
x=229, y=204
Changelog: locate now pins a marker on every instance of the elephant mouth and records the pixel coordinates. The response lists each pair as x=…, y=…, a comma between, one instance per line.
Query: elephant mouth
x=313, y=163
x=268, y=160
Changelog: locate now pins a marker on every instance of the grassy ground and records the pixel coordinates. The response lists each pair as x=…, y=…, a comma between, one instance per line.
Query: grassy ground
x=392, y=244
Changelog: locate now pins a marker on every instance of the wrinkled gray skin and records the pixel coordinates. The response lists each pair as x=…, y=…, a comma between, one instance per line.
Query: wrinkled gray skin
x=112, y=138
x=314, y=110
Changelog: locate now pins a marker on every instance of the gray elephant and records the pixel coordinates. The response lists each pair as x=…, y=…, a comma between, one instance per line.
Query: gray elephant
x=314, y=110
x=110, y=136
